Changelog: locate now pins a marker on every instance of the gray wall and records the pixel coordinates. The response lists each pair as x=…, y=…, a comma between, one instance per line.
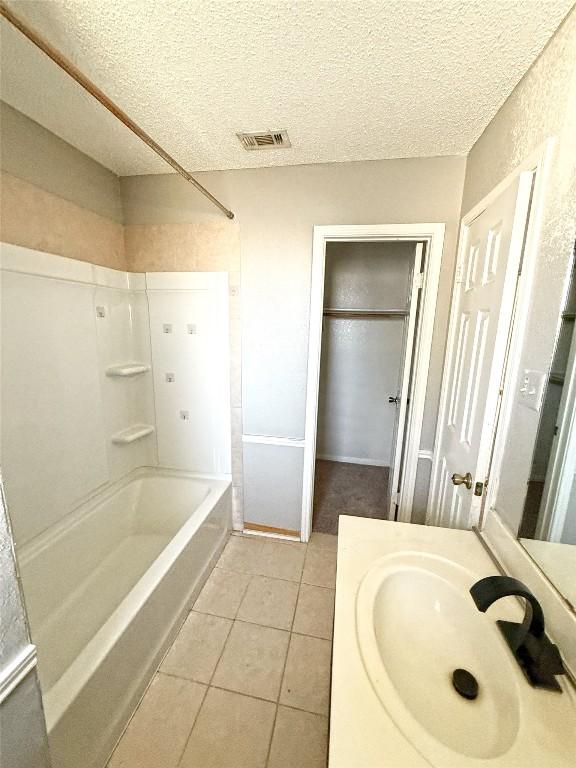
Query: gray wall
x=276, y=209
x=542, y=105
x=34, y=154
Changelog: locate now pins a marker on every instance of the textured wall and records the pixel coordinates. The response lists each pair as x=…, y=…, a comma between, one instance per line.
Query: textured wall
x=543, y=105
x=22, y=728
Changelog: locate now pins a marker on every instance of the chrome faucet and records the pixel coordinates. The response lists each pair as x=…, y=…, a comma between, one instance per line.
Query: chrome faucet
x=538, y=657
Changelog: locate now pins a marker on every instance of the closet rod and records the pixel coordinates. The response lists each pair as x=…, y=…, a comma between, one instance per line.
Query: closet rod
x=68, y=67
x=364, y=313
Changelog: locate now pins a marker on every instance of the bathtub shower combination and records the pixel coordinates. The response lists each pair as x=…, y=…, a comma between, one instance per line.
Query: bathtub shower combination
x=116, y=459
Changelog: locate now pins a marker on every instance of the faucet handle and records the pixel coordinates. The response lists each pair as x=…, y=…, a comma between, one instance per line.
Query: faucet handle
x=492, y=588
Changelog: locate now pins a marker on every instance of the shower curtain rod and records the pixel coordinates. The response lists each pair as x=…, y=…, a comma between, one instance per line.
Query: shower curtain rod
x=68, y=67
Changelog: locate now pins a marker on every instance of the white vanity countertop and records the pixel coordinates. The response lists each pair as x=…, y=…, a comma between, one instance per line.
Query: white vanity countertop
x=362, y=734
x=558, y=561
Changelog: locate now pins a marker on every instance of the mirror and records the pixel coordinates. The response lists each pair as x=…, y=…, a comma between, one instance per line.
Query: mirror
x=548, y=527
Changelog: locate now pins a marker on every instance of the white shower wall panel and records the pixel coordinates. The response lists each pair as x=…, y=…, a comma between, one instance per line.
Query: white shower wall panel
x=189, y=337
x=64, y=322
x=53, y=434
x=122, y=326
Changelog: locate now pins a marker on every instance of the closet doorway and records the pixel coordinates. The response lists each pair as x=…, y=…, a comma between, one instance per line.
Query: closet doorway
x=372, y=313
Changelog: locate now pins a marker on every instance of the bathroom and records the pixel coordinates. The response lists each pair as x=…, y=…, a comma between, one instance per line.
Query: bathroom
x=288, y=384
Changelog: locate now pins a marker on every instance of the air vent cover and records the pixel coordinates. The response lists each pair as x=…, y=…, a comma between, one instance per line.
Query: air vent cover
x=264, y=140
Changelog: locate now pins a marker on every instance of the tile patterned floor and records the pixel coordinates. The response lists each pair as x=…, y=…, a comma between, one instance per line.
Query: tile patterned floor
x=246, y=683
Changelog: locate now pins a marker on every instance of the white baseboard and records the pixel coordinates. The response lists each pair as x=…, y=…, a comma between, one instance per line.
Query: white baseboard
x=352, y=460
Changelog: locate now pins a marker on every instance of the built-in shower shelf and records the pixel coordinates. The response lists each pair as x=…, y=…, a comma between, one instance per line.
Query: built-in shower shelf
x=130, y=435
x=128, y=369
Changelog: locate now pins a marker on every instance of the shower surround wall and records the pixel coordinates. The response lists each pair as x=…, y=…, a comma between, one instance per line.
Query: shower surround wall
x=71, y=321
x=58, y=200
x=209, y=244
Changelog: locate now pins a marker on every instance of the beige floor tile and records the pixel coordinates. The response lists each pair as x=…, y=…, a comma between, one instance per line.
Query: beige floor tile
x=306, y=682
x=315, y=611
x=231, y=731
x=323, y=541
x=197, y=647
x=320, y=567
x=242, y=554
x=282, y=561
x=253, y=661
x=269, y=602
x=222, y=593
x=300, y=740
x=157, y=734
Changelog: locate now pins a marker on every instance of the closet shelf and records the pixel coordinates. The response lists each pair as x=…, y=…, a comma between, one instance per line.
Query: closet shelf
x=364, y=314
x=556, y=378
x=130, y=435
x=128, y=369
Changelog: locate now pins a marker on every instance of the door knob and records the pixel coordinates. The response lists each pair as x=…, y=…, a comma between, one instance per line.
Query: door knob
x=463, y=480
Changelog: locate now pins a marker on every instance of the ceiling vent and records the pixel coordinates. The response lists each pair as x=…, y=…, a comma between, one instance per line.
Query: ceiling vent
x=264, y=140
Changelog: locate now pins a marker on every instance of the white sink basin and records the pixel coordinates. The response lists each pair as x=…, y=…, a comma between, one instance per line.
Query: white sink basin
x=416, y=625
x=404, y=622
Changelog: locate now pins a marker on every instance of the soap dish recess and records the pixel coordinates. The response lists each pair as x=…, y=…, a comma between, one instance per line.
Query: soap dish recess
x=130, y=435
x=128, y=369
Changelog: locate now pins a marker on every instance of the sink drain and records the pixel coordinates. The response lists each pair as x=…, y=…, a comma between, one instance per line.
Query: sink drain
x=465, y=683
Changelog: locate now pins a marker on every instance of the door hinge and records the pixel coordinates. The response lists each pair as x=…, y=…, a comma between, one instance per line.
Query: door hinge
x=459, y=276
x=419, y=280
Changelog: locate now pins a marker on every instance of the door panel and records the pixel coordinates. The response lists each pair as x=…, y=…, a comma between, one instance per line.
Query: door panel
x=480, y=323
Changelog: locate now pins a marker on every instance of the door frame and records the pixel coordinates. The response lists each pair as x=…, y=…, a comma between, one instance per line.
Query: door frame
x=538, y=163
x=433, y=236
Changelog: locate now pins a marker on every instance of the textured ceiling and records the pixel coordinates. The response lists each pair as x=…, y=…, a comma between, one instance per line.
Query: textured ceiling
x=349, y=80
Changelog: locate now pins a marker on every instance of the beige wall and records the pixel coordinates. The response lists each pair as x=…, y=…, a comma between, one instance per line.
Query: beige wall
x=276, y=209
x=543, y=105
x=55, y=198
x=34, y=218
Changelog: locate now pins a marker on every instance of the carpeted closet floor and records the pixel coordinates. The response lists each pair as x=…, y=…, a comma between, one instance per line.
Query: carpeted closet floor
x=348, y=489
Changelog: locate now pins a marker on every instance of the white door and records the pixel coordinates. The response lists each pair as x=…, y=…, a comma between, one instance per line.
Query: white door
x=404, y=395
x=482, y=308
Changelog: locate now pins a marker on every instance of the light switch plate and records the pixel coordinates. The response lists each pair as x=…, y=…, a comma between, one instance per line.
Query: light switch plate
x=531, y=390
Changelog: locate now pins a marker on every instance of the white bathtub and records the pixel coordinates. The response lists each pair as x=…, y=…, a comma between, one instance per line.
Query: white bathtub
x=106, y=594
